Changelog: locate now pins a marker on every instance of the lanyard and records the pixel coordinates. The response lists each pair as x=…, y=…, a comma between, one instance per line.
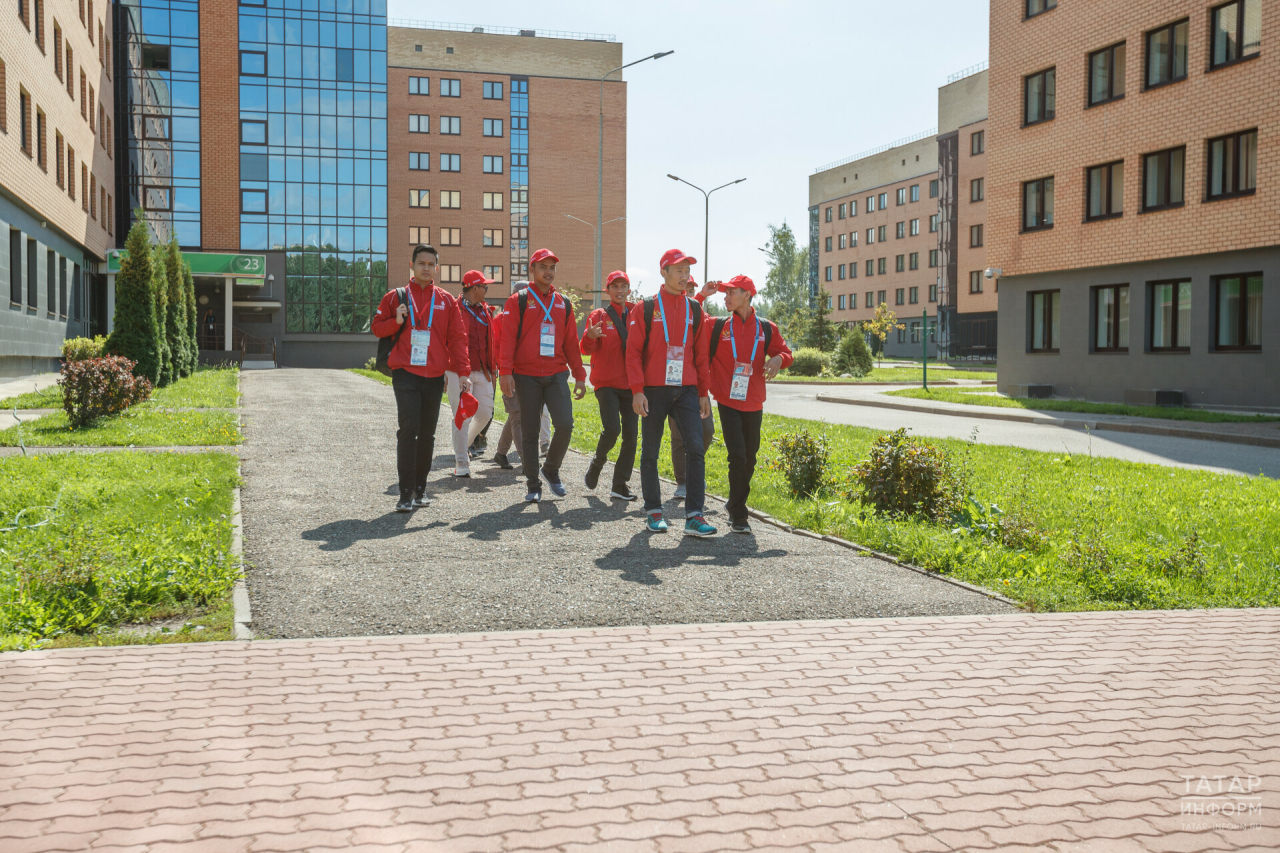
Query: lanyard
x=754, y=345
x=431, y=315
x=688, y=320
x=473, y=314
x=546, y=310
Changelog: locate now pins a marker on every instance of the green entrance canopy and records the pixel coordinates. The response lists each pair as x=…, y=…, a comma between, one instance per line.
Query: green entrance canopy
x=208, y=263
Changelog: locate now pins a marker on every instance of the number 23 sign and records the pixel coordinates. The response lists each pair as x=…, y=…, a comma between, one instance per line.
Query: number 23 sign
x=249, y=263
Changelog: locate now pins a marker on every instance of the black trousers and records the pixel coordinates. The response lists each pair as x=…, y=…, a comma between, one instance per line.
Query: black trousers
x=741, y=434
x=617, y=418
x=534, y=392
x=417, y=410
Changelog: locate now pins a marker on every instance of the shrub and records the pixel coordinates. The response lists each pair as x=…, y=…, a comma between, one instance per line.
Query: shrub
x=802, y=459
x=372, y=363
x=175, y=316
x=809, y=362
x=853, y=356
x=79, y=349
x=193, y=321
x=100, y=387
x=160, y=292
x=136, y=334
x=907, y=477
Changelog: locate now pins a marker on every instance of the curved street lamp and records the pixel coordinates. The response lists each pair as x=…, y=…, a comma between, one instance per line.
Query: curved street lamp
x=706, y=225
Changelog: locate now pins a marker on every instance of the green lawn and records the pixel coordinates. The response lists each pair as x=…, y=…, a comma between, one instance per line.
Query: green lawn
x=973, y=398
x=370, y=374
x=208, y=387
x=904, y=375
x=141, y=426
x=112, y=538
x=49, y=398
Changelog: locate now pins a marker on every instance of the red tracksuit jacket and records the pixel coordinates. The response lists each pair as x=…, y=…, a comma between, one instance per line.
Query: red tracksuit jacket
x=482, y=340
x=608, y=355
x=522, y=356
x=650, y=368
x=721, y=367
x=448, y=334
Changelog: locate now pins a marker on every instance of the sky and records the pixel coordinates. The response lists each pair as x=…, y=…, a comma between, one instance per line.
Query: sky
x=755, y=90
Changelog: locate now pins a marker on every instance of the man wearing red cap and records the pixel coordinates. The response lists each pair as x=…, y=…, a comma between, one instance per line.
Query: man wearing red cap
x=667, y=370
x=708, y=423
x=539, y=349
x=482, y=354
x=742, y=351
x=431, y=337
x=605, y=340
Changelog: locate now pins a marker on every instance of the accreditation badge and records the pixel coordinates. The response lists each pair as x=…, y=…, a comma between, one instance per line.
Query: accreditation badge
x=741, y=381
x=419, y=343
x=547, y=340
x=675, y=365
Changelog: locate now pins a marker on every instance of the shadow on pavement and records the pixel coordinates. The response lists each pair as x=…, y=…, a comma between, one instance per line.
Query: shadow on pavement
x=340, y=535
x=637, y=562
x=489, y=526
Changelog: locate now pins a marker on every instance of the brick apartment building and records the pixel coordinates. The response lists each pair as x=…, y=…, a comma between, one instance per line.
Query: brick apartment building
x=56, y=176
x=493, y=143
x=1132, y=199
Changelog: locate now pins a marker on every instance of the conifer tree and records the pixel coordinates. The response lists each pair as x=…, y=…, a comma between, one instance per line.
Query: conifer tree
x=193, y=321
x=136, y=334
x=176, y=315
x=160, y=293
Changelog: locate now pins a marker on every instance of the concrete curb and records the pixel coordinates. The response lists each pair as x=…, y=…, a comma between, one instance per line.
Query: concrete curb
x=1099, y=426
x=240, y=594
x=858, y=384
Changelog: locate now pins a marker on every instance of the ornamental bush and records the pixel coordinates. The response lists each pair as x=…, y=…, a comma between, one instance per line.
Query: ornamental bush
x=175, y=317
x=802, y=459
x=100, y=387
x=809, y=362
x=79, y=349
x=907, y=477
x=853, y=356
x=136, y=334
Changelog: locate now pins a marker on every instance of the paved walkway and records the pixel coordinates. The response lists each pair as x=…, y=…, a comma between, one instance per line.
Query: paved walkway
x=1065, y=732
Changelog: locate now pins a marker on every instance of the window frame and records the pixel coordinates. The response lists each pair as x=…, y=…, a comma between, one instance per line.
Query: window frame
x=487, y=199
x=976, y=230
x=441, y=163
x=488, y=234
x=240, y=66
x=933, y=188
x=450, y=91
x=882, y=266
x=418, y=193
x=1174, y=329
x=249, y=121
x=168, y=190
x=489, y=161
x=1045, y=216
x=899, y=296
x=901, y=196
x=1171, y=29
x=977, y=190
x=977, y=143
x=1240, y=18
x=447, y=235
x=1215, y=283
x=1143, y=208
x=1046, y=115
x=975, y=281
x=486, y=90
x=900, y=263
x=243, y=209
x=446, y=199
x=1110, y=186
x=1113, y=340
x=1027, y=14
x=421, y=120
x=913, y=295
x=1053, y=335
x=1236, y=138
x=420, y=155
x=453, y=122
x=1110, y=49
x=415, y=80
x=913, y=261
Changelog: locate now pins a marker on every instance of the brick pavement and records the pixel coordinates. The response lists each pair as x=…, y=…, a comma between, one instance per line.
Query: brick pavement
x=1063, y=732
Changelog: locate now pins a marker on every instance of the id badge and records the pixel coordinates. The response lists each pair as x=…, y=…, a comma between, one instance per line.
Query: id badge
x=675, y=365
x=741, y=381
x=547, y=340
x=419, y=343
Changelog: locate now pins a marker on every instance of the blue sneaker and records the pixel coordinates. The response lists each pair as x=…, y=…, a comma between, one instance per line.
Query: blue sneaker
x=557, y=487
x=533, y=497
x=697, y=526
x=656, y=523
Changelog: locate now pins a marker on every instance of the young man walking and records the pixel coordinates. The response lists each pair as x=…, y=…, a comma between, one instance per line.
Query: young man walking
x=482, y=353
x=511, y=431
x=431, y=336
x=605, y=340
x=742, y=351
x=539, y=350
x=708, y=423
x=667, y=371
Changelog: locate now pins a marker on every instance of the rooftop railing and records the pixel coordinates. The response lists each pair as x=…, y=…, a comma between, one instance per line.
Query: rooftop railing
x=968, y=72
x=502, y=31
x=878, y=149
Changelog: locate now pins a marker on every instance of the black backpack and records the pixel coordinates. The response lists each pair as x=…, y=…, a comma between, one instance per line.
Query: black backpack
x=718, y=329
x=648, y=319
x=523, y=301
x=387, y=344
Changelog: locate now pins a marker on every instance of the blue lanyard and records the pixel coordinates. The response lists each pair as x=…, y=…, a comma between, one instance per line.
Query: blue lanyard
x=473, y=314
x=754, y=345
x=688, y=320
x=546, y=311
x=431, y=315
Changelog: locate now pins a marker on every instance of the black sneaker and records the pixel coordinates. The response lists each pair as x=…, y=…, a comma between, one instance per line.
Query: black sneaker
x=420, y=498
x=593, y=473
x=740, y=527
x=556, y=486
x=533, y=497
x=406, y=502
x=622, y=493
x=501, y=460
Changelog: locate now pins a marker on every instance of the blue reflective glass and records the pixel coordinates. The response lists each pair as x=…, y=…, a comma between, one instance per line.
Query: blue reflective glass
x=346, y=170
x=275, y=30
x=344, y=65
x=186, y=164
x=293, y=198
x=253, y=98
x=293, y=99
x=328, y=200
x=310, y=31
x=293, y=61
x=292, y=31
x=188, y=233
x=186, y=129
x=184, y=59
x=311, y=63
x=186, y=200
x=254, y=167
x=344, y=35
x=346, y=102
x=277, y=199
x=311, y=170
x=253, y=236
x=361, y=36
x=155, y=22
x=184, y=24
x=327, y=34
x=185, y=94
x=294, y=173
x=253, y=201
x=275, y=60
x=253, y=28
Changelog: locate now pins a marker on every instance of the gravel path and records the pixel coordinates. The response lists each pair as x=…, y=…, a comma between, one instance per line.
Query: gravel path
x=328, y=556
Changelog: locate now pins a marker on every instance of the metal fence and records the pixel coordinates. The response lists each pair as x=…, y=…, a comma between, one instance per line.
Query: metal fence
x=503, y=31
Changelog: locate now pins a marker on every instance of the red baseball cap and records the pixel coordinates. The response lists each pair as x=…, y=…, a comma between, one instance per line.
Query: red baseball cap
x=614, y=276
x=675, y=256
x=738, y=281
x=468, y=405
x=543, y=255
x=473, y=277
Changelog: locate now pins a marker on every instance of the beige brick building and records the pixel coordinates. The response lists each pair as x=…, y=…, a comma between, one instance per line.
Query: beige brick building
x=56, y=175
x=1132, y=199
x=492, y=144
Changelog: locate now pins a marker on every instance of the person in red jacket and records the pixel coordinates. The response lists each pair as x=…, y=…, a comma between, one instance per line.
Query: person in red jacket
x=667, y=372
x=708, y=423
x=431, y=337
x=747, y=351
x=539, y=350
x=605, y=340
x=482, y=353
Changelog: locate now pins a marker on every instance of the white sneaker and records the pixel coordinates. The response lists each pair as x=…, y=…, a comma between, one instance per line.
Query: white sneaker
x=462, y=472
x=680, y=491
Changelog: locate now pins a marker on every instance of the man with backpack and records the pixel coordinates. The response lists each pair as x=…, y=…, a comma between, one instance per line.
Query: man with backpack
x=511, y=431
x=708, y=423
x=539, y=349
x=605, y=340
x=482, y=352
x=742, y=352
x=422, y=334
x=667, y=371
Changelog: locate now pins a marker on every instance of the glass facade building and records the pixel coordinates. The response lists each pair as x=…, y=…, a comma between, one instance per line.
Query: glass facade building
x=519, y=178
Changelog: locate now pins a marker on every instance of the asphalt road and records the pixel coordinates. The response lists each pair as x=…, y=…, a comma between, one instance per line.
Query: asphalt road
x=800, y=401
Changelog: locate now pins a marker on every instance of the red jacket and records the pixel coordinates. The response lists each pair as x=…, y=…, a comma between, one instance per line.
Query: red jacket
x=608, y=355
x=721, y=367
x=522, y=356
x=448, y=334
x=650, y=368
x=482, y=342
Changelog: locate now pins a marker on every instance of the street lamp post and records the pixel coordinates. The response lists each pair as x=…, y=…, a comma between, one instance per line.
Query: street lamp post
x=706, y=225
x=600, y=175
x=593, y=233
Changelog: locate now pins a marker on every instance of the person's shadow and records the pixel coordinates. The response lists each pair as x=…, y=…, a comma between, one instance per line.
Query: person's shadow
x=489, y=526
x=340, y=535
x=638, y=562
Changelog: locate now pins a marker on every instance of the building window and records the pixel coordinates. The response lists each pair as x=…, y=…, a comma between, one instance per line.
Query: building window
x=884, y=200
x=853, y=208
x=881, y=298
x=1037, y=204
x=900, y=263
x=853, y=301
x=853, y=270
x=977, y=142
x=828, y=302
x=1233, y=164
x=419, y=85
x=881, y=232
x=451, y=125
x=451, y=162
x=450, y=273
x=251, y=201
x=491, y=237
x=840, y=214
x=841, y=241
x=42, y=157
x=840, y=273
x=915, y=192
x=933, y=188
x=914, y=327
x=900, y=230
x=24, y=122
x=1111, y=318
x=902, y=195
x=933, y=258
x=913, y=295
x=871, y=267
x=828, y=214
x=975, y=281
x=493, y=127
x=915, y=228
x=493, y=272
x=450, y=236
x=975, y=236
x=1235, y=32
x=976, y=190
x=1167, y=54
x=492, y=165
x=826, y=245
x=933, y=224
x=933, y=293
x=419, y=161
x=841, y=300
x=492, y=201
x=871, y=204
x=1046, y=319
x=1162, y=179
x=1039, y=96
x=913, y=261
x=871, y=236
x=419, y=198
x=492, y=91
x=853, y=239
x=827, y=275
x=57, y=50
x=253, y=133
x=419, y=236
x=1238, y=309
x=1106, y=74
x=450, y=88
x=450, y=199
x=1170, y=316
x=419, y=123
x=869, y=302
x=882, y=266
x=1104, y=188
x=1035, y=7
x=253, y=63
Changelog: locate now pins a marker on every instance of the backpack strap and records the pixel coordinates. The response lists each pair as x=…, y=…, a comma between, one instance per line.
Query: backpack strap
x=403, y=293
x=618, y=324
x=523, y=301
x=648, y=323
x=768, y=336
x=716, y=332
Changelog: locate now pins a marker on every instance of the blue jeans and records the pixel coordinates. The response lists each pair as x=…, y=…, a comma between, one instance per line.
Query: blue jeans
x=681, y=402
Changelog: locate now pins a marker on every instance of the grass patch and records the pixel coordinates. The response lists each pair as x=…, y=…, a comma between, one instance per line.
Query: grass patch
x=113, y=538
x=370, y=374
x=48, y=398
x=207, y=388
x=969, y=397
x=141, y=426
x=904, y=375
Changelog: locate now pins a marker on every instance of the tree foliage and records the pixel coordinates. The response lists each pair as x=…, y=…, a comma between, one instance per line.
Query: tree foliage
x=785, y=298
x=136, y=332
x=820, y=333
x=176, y=325
x=884, y=322
x=193, y=321
x=853, y=356
x=160, y=293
